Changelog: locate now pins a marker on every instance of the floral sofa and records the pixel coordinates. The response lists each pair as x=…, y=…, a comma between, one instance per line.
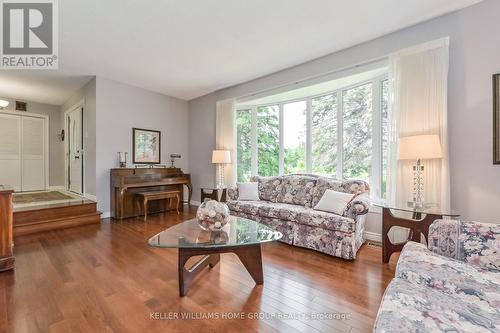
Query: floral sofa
x=451, y=286
x=286, y=205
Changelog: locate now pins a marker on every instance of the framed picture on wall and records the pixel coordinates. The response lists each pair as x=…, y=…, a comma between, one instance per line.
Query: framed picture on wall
x=146, y=146
x=496, y=119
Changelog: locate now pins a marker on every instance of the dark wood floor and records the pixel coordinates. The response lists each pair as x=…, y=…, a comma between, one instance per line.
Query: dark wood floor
x=106, y=278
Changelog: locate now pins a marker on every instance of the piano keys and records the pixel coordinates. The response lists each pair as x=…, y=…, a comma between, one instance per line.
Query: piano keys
x=127, y=182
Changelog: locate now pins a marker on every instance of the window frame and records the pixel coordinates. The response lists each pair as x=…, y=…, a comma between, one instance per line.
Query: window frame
x=376, y=176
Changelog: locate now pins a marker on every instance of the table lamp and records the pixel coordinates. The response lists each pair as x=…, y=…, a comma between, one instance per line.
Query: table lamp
x=419, y=147
x=221, y=157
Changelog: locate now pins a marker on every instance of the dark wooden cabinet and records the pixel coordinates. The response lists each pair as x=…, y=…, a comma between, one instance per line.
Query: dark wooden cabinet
x=126, y=183
x=6, y=233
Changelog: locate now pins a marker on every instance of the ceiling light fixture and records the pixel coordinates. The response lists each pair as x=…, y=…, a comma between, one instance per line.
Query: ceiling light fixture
x=3, y=104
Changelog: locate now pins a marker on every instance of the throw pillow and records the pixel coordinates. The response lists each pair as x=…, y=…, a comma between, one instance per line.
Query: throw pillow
x=248, y=191
x=334, y=202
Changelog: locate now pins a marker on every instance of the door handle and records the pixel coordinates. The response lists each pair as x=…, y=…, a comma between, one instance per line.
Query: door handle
x=77, y=157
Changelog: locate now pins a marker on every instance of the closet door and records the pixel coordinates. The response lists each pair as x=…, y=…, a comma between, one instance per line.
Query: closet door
x=33, y=153
x=10, y=151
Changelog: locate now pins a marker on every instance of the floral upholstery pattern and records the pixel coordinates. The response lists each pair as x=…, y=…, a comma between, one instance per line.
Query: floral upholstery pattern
x=269, y=187
x=297, y=190
x=335, y=243
x=359, y=205
x=407, y=307
x=420, y=266
x=476, y=243
x=355, y=187
x=451, y=286
x=285, y=205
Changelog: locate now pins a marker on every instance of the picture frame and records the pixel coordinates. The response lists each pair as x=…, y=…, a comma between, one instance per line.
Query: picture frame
x=146, y=146
x=496, y=118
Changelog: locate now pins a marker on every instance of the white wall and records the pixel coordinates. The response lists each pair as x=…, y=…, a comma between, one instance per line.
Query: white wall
x=87, y=94
x=56, y=147
x=474, y=57
x=121, y=107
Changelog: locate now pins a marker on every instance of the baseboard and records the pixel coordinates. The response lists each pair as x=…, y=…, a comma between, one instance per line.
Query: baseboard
x=195, y=203
x=90, y=197
x=105, y=215
x=56, y=188
x=373, y=236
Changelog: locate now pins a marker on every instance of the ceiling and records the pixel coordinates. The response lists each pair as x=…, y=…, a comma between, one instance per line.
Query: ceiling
x=190, y=48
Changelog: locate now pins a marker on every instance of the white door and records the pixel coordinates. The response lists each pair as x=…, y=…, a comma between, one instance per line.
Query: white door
x=33, y=146
x=75, y=150
x=10, y=151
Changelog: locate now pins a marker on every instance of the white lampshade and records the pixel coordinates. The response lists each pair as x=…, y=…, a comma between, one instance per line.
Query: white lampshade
x=3, y=103
x=420, y=147
x=221, y=156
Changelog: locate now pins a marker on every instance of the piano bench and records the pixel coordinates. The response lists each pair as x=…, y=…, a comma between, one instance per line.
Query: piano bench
x=145, y=197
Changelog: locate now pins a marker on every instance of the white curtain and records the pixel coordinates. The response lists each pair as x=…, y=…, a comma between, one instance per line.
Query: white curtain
x=418, y=79
x=225, y=136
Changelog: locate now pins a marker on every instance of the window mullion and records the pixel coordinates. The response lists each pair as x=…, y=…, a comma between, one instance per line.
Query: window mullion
x=376, y=170
x=253, y=134
x=308, y=135
x=340, y=135
x=281, y=157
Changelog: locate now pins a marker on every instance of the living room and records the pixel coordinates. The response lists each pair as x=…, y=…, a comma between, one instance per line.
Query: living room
x=168, y=168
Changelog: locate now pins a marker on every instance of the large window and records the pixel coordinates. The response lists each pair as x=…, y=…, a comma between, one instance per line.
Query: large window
x=341, y=133
x=294, y=137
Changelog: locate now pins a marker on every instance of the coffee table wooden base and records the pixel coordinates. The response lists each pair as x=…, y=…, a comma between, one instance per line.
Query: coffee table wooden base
x=250, y=256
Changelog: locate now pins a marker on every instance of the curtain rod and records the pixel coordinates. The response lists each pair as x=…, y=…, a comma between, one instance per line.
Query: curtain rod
x=313, y=77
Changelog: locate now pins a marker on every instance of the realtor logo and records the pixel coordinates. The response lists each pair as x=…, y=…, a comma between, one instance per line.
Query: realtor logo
x=29, y=34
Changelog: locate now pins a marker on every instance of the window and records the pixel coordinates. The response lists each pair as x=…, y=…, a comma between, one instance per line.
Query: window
x=268, y=140
x=324, y=135
x=244, y=144
x=357, y=132
x=341, y=133
x=294, y=137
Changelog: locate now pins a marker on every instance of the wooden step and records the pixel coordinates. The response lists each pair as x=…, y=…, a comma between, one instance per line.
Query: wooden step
x=29, y=220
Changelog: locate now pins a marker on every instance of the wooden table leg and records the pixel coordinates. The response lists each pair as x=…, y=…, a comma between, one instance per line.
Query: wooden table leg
x=250, y=256
x=190, y=193
x=187, y=275
x=177, y=202
x=417, y=228
x=145, y=208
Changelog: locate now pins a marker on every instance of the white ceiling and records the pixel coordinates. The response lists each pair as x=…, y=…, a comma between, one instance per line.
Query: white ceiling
x=190, y=48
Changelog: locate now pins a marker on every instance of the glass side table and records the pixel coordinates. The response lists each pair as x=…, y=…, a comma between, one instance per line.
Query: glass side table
x=418, y=221
x=213, y=193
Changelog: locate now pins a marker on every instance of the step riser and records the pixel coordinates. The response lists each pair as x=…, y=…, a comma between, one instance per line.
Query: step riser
x=74, y=221
x=49, y=214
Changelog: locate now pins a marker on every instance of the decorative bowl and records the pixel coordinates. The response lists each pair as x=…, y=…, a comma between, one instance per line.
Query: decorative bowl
x=212, y=215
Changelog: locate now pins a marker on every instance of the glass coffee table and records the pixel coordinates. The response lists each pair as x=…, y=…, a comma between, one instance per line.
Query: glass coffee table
x=240, y=236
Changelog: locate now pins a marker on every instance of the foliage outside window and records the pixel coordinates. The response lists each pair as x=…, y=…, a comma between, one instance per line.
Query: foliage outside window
x=330, y=134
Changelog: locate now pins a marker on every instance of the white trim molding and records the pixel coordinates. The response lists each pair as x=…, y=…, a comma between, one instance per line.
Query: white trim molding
x=373, y=236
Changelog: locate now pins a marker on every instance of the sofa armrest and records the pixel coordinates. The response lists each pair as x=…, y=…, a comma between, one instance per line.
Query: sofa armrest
x=444, y=238
x=359, y=205
x=232, y=193
x=476, y=243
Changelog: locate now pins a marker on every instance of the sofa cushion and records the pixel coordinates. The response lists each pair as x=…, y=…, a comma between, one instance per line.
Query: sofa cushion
x=407, y=307
x=269, y=187
x=348, y=186
x=286, y=212
x=325, y=220
x=420, y=266
x=297, y=190
x=294, y=213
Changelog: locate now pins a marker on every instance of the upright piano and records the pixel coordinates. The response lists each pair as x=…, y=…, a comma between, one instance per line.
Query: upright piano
x=127, y=182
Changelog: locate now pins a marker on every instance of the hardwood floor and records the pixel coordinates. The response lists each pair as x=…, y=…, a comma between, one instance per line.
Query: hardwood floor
x=106, y=278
